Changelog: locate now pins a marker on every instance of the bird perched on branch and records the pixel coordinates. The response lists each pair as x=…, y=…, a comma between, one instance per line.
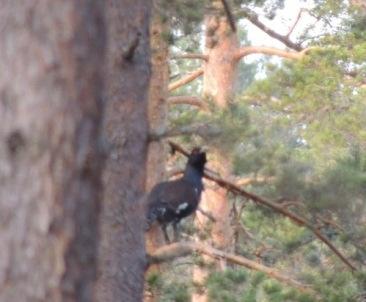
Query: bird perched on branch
x=170, y=201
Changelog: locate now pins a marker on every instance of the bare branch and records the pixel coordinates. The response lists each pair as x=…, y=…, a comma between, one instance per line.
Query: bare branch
x=293, y=203
x=185, y=80
x=253, y=18
x=245, y=181
x=248, y=50
x=229, y=15
x=328, y=221
x=301, y=11
x=207, y=214
x=181, y=249
x=190, y=56
x=202, y=130
x=277, y=207
x=187, y=100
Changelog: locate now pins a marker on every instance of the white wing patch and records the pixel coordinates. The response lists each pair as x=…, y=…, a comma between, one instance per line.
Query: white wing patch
x=182, y=207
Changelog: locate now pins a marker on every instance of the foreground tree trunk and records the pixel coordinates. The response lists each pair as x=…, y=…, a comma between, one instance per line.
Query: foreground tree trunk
x=122, y=253
x=51, y=57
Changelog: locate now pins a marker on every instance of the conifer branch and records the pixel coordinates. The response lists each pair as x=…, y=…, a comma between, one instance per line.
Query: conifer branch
x=185, y=80
x=187, y=100
x=278, y=208
x=181, y=249
x=254, y=19
x=190, y=56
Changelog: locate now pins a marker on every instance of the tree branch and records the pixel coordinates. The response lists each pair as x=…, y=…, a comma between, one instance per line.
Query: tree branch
x=301, y=11
x=245, y=181
x=187, y=100
x=229, y=15
x=202, y=130
x=207, y=214
x=248, y=50
x=185, y=80
x=278, y=208
x=181, y=249
x=253, y=18
x=190, y=56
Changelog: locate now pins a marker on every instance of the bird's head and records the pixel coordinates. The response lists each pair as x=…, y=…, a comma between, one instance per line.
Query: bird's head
x=197, y=159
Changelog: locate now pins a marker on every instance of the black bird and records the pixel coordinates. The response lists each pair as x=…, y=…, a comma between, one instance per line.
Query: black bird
x=170, y=201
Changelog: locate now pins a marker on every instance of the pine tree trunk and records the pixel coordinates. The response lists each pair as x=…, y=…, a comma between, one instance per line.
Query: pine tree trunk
x=158, y=92
x=51, y=57
x=220, y=73
x=122, y=252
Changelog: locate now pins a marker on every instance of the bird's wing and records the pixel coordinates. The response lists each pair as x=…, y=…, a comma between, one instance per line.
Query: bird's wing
x=177, y=192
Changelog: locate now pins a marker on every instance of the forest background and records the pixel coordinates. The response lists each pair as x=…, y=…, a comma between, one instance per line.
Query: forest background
x=280, y=105
x=94, y=96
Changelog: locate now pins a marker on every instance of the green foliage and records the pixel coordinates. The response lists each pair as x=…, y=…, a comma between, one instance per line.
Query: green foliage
x=183, y=16
x=301, y=124
x=252, y=288
x=344, y=285
x=313, y=97
x=176, y=292
x=225, y=127
x=344, y=183
x=225, y=286
x=154, y=281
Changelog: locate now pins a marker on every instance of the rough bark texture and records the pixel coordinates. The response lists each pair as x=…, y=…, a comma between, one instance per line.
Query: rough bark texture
x=158, y=93
x=122, y=253
x=51, y=57
x=220, y=72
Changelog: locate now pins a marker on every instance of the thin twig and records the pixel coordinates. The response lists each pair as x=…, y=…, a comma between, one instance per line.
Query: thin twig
x=207, y=214
x=301, y=11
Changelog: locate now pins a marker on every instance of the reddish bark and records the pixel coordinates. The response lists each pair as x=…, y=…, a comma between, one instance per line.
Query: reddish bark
x=158, y=92
x=220, y=70
x=220, y=73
